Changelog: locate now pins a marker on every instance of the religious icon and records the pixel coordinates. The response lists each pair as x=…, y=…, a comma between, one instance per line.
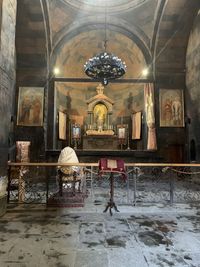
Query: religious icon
x=100, y=113
x=30, y=106
x=122, y=134
x=76, y=135
x=76, y=131
x=121, y=131
x=171, y=108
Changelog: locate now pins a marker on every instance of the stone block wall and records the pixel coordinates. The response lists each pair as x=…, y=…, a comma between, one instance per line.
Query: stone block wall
x=7, y=79
x=193, y=90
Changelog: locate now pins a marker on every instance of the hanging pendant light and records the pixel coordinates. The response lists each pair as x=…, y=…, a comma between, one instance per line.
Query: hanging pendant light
x=105, y=66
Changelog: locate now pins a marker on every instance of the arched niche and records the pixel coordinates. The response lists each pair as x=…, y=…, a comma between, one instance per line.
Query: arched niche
x=100, y=108
x=78, y=99
x=73, y=54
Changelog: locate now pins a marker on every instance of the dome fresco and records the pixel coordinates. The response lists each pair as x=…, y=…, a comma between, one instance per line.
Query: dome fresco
x=74, y=53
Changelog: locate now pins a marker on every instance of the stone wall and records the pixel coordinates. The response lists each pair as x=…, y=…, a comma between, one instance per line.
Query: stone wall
x=31, y=71
x=7, y=78
x=193, y=90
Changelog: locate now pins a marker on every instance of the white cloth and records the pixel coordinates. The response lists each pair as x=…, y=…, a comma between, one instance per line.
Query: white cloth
x=136, y=125
x=68, y=155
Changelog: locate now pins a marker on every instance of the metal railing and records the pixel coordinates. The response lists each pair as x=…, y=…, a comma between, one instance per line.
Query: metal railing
x=164, y=183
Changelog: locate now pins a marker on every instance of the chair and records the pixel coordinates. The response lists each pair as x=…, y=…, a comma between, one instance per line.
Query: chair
x=70, y=177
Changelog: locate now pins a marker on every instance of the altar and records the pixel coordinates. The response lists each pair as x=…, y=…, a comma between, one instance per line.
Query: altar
x=100, y=109
x=99, y=132
x=100, y=142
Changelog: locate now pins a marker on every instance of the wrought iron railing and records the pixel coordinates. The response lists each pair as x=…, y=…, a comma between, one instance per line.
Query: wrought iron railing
x=163, y=183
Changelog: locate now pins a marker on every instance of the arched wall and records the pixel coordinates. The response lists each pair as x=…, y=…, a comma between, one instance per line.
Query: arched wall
x=32, y=44
x=73, y=54
x=131, y=36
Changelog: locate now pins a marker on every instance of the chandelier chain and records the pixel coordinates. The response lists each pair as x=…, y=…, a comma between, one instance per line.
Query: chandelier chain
x=105, y=37
x=105, y=66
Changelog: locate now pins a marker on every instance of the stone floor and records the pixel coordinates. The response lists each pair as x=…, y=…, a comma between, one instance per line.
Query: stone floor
x=141, y=236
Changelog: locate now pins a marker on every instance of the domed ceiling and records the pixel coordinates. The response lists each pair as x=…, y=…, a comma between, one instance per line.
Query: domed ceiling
x=141, y=32
x=136, y=17
x=78, y=31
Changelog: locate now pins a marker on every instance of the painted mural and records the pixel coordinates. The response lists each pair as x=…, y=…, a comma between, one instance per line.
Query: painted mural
x=75, y=52
x=30, y=106
x=171, y=108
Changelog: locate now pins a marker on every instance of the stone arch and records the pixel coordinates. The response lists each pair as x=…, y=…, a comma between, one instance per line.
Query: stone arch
x=137, y=36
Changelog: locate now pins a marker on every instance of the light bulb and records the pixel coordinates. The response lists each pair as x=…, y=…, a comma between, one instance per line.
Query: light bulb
x=145, y=72
x=56, y=71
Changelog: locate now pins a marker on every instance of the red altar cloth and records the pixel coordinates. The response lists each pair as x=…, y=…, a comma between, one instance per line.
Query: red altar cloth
x=112, y=165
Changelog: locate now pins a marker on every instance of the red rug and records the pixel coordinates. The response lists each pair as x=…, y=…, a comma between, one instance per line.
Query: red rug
x=67, y=200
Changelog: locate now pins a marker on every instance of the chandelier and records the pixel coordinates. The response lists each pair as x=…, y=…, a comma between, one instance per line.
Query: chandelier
x=105, y=66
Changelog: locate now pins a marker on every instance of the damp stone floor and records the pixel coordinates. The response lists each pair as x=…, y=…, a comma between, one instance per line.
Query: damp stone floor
x=141, y=236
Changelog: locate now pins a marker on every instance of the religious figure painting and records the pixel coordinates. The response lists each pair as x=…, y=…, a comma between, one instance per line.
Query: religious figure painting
x=76, y=131
x=100, y=115
x=171, y=108
x=30, y=106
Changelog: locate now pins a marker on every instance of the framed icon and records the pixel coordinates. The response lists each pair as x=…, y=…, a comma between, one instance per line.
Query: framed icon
x=30, y=106
x=171, y=108
x=76, y=131
x=121, y=131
